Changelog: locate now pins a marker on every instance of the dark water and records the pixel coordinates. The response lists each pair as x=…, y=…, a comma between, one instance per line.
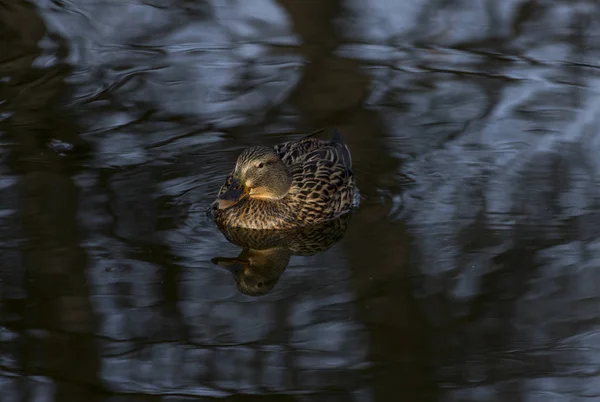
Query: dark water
x=470, y=271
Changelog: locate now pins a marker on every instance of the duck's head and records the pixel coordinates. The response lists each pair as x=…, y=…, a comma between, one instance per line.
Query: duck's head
x=259, y=174
x=256, y=272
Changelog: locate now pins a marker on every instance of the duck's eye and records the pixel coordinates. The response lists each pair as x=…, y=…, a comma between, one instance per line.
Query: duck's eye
x=260, y=165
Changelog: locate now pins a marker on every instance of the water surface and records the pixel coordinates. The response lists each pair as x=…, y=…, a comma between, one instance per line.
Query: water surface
x=469, y=272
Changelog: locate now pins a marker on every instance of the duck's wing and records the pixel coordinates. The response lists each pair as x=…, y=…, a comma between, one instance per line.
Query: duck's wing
x=293, y=151
x=322, y=183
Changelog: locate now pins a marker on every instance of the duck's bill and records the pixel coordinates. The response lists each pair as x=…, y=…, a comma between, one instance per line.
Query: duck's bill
x=232, y=195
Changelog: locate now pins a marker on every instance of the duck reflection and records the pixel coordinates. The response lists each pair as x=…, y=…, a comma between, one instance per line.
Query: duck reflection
x=266, y=253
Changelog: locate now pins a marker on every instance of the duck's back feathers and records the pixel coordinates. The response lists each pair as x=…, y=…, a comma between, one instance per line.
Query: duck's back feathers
x=322, y=181
x=293, y=151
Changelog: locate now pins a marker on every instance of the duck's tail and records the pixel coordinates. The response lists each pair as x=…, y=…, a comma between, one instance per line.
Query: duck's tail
x=338, y=138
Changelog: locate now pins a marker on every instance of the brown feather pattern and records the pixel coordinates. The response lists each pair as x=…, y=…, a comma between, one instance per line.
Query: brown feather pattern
x=322, y=188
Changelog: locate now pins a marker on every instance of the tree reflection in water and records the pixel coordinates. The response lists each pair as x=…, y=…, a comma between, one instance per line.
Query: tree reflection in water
x=120, y=119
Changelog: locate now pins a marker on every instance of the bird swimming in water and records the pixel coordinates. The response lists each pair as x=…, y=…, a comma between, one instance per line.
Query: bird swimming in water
x=294, y=184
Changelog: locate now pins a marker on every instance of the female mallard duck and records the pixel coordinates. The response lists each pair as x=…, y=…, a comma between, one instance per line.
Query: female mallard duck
x=294, y=184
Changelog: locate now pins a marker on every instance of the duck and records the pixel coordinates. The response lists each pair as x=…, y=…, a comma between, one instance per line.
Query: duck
x=295, y=184
x=266, y=253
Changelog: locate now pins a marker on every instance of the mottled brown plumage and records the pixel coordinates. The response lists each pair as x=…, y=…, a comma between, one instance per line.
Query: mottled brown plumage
x=266, y=253
x=294, y=184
